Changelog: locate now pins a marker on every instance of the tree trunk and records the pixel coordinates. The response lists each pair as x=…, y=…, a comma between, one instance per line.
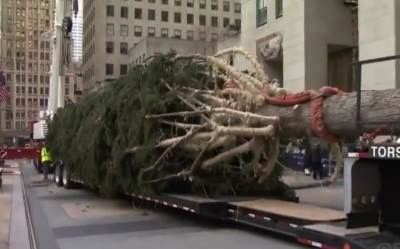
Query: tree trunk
x=339, y=114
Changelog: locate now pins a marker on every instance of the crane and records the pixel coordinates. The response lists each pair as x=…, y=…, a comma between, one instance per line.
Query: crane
x=62, y=27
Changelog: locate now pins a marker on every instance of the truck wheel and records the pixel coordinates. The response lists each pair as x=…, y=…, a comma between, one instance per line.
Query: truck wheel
x=58, y=174
x=66, y=180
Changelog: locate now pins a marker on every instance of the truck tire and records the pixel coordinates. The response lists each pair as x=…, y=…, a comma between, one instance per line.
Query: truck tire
x=66, y=180
x=58, y=174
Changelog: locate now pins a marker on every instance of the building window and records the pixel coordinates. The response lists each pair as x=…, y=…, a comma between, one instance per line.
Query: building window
x=164, y=32
x=124, y=30
x=138, y=13
x=203, y=4
x=189, y=35
x=262, y=13
x=190, y=3
x=177, y=17
x=238, y=8
x=178, y=3
x=177, y=34
x=109, y=69
x=278, y=8
x=214, y=4
x=138, y=31
x=164, y=16
x=110, y=29
x=123, y=48
x=226, y=22
x=151, y=31
x=151, y=15
x=202, y=20
x=238, y=23
x=214, y=21
x=189, y=19
x=124, y=12
x=164, y=1
x=214, y=37
x=202, y=36
x=110, y=10
x=226, y=6
x=152, y=1
x=123, y=69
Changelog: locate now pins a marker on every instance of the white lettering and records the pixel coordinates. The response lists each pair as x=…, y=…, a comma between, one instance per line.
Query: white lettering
x=374, y=148
x=390, y=152
x=382, y=152
x=398, y=152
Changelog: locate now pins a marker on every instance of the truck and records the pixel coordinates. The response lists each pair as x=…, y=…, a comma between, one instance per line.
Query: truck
x=369, y=219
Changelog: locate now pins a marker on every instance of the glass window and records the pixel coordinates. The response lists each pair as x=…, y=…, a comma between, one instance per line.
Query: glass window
x=189, y=35
x=124, y=12
x=202, y=4
x=110, y=47
x=279, y=8
x=202, y=20
x=177, y=17
x=164, y=1
x=190, y=3
x=138, y=31
x=109, y=69
x=214, y=21
x=164, y=32
x=262, y=13
x=164, y=16
x=226, y=6
x=151, y=15
x=226, y=21
x=123, y=69
x=189, y=19
x=123, y=47
x=238, y=7
x=178, y=3
x=124, y=30
x=177, y=34
x=138, y=13
x=202, y=36
x=214, y=4
x=110, y=29
x=214, y=37
x=151, y=31
x=110, y=10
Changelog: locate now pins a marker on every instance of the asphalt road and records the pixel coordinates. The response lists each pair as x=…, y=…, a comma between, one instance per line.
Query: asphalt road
x=78, y=218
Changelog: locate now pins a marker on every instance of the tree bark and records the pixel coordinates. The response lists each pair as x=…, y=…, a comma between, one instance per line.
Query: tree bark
x=339, y=114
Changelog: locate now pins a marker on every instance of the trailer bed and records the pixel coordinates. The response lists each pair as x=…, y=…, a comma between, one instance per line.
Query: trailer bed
x=307, y=213
x=308, y=225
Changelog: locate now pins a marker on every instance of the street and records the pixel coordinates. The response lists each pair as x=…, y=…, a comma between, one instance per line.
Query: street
x=79, y=218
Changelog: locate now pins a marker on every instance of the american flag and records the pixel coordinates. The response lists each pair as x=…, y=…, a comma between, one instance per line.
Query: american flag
x=3, y=88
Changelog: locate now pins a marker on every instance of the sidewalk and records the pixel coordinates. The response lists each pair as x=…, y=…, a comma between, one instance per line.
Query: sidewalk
x=298, y=180
x=13, y=226
x=5, y=210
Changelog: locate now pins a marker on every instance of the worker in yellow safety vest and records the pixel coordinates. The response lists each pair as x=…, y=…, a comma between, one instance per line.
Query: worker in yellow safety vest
x=46, y=161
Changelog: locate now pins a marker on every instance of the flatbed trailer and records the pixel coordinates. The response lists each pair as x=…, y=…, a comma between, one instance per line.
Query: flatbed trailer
x=325, y=229
x=370, y=218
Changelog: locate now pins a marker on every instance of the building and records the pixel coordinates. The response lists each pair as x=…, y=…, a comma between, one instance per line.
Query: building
x=77, y=34
x=26, y=60
x=150, y=46
x=304, y=44
x=379, y=36
x=112, y=27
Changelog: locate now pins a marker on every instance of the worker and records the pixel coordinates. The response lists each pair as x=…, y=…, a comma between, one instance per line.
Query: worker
x=306, y=145
x=316, y=164
x=46, y=161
